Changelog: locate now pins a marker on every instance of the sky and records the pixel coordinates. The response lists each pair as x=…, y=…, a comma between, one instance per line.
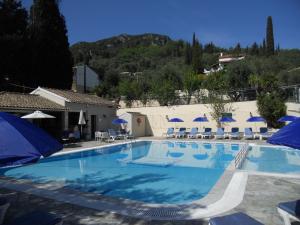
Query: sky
x=224, y=22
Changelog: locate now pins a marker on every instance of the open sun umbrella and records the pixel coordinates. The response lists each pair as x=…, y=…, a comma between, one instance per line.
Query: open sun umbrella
x=38, y=115
x=225, y=119
x=255, y=119
x=119, y=121
x=289, y=135
x=287, y=118
x=21, y=142
x=175, y=120
x=201, y=119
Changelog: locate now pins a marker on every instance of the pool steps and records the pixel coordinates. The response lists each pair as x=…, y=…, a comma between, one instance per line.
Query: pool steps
x=240, y=157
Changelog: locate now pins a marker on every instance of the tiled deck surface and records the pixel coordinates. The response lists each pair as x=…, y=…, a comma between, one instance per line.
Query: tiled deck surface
x=262, y=195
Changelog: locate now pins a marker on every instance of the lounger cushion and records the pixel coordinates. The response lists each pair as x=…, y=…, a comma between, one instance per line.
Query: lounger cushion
x=234, y=219
x=37, y=217
x=292, y=208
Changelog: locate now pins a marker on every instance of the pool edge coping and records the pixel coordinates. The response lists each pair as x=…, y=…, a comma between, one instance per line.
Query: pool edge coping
x=232, y=197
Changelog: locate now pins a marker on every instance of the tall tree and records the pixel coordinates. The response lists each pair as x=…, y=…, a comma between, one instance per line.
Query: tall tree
x=264, y=47
x=254, y=49
x=237, y=50
x=13, y=43
x=270, y=37
x=194, y=39
x=188, y=54
x=51, y=61
x=197, y=57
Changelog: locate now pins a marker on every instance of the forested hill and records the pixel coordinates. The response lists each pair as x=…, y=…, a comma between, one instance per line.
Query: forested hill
x=129, y=53
x=162, y=63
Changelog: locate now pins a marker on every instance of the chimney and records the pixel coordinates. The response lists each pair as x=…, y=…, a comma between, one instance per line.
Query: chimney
x=74, y=82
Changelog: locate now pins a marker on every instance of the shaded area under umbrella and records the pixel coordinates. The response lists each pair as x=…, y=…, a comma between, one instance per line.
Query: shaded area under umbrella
x=21, y=142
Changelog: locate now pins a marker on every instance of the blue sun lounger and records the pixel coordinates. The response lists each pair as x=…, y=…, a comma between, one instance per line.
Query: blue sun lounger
x=289, y=211
x=264, y=133
x=248, y=134
x=207, y=133
x=234, y=219
x=220, y=134
x=235, y=133
x=181, y=132
x=193, y=133
x=170, y=133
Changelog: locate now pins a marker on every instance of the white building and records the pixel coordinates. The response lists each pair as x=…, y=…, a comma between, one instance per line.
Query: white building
x=98, y=112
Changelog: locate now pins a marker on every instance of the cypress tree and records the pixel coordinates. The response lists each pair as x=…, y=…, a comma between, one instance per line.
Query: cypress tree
x=254, y=49
x=264, y=47
x=197, y=57
x=194, y=39
x=13, y=42
x=51, y=61
x=237, y=50
x=188, y=54
x=269, y=37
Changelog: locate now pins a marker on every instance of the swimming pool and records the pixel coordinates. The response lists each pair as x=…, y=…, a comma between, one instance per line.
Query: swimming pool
x=148, y=171
x=273, y=160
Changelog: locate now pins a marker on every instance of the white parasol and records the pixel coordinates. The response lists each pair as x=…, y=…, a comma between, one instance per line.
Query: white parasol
x=38, y=115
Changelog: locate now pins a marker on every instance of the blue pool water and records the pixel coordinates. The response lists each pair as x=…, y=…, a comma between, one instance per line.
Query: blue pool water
x=273, y=160
x=152, y=172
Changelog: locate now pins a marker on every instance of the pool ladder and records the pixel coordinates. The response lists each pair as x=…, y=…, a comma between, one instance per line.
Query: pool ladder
x=240, y=157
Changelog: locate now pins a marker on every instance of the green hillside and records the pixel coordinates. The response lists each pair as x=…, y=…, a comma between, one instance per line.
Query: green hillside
x=161, y=64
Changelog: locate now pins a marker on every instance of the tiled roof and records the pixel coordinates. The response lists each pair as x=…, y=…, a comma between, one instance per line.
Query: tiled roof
x=76, y=97
x=11, y=100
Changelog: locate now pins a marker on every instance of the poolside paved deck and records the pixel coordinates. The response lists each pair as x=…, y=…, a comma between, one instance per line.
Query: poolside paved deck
x=260, y=200
x=262, y=195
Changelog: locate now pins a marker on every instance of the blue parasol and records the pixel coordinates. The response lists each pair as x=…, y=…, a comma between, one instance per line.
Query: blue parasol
x=288, y=135
x=119, y=121
x=227, y=120
x=21, y=142
x=201, y=119
x=256, y=119
x=287, y=118
x=176, y=120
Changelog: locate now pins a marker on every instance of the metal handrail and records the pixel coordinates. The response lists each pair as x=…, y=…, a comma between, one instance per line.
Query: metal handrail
x=239, y=158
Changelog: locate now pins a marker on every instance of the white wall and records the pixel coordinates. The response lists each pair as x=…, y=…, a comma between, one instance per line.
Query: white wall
x=50, y=96
x=157, y=124
x=104, y=114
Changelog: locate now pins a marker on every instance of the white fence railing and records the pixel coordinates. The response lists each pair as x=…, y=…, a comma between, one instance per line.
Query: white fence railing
x=240, y=157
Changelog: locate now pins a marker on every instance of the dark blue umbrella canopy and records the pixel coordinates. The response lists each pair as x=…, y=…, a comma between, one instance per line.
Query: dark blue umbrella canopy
x=176, y=120
x=287, y=118
x=201, y=119
x=289, y=135
x=256, y=119
x=119, y=121
x=22, y=142
x=227, y=120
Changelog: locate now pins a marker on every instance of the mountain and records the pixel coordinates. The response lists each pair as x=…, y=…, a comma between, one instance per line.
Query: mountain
x=146, y=53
